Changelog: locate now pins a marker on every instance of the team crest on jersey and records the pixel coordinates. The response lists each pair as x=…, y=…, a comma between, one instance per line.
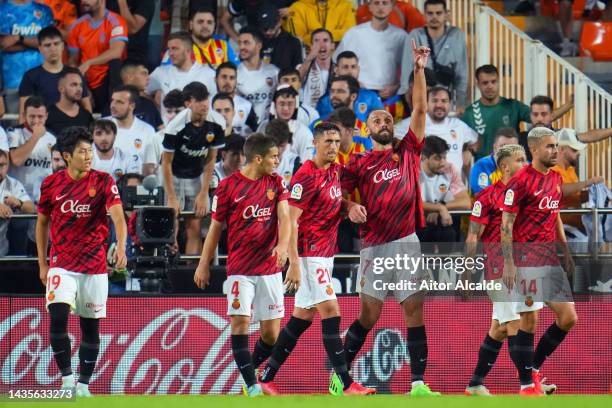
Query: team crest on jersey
x=138, y=143
x=296, y=191
x=270, y=194
x=509, y=197
x=287, y=177
x=92, y=192
x=269, y=81
x=266, y=59
x=506, y=120
x=483, y=180
x=395, y=157
x=236, y=303
x=443, y=188
x=219, y=52
x=118, y=173
x=477, y=209
x=51, y=296
x=453, y=134
x=38, y=14
x=210, y=136
x=49, y=146
x=241, y=114
x=329, y=290
x=362, y=107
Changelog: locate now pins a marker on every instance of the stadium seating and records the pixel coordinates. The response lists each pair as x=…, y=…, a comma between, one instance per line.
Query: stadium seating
x=596, y=40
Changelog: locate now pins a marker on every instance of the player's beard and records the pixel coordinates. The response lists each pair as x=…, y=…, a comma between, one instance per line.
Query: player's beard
x=384, y=137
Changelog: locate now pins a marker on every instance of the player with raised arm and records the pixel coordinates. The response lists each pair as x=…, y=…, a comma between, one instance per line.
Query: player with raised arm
x=74, y=202
x=388, y=180
x=531, y=220
x=485, y=223
x=253, y=204
x=314, y=208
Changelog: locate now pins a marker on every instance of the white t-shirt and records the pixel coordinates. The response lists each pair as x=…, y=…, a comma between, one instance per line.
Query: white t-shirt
x=37, y=166
x=118, y=165
x=315, y=85
x=307, y=114
x=441, y=187
x=302, y=143
x=166, y=78
x=4, y=145
x=380, y=55
x=257, y=87
x=137, y=141
x=9, y=187
x=242, y=108
x=287, y=166
x=453, y=130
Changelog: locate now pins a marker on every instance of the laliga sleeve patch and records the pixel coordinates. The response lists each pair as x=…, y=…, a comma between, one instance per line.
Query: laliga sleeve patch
x=509, y=200
x=296, y=191
x=213, y=207
x=477, y=209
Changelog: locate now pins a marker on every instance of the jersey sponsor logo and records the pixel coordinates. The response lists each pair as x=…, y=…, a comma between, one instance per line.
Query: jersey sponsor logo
x=210, y=136
x=296, y=191
x=256, y=97
x=270, y=194
x=477, y=210
x=194, y=153
x=509, y=199
x=213, y=206
x=483, y=180
x=73, y=206
x=386, y=175
x=547, y=203
x=43, y=163
x=260, y=214
x=335, y=192
x=27, y=31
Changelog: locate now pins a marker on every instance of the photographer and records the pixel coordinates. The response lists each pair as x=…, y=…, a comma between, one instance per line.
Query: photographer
x=448, y=56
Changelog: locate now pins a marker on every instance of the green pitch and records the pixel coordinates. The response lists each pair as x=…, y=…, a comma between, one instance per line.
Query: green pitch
x=318, y=401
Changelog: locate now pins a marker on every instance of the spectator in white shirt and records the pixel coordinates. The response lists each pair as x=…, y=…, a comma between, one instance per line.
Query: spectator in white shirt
x=441, y=190
x=289, y=161
x=4, y=145
x=306, y=113
x=382, y=49
x=245, y=119
x=57, y=161
x=316, y=68
x=223, y=104
x=463, y=140
x=107, y=157
x=134, y=136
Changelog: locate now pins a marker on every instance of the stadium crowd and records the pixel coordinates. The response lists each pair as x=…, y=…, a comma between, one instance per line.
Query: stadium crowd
x=161, y=72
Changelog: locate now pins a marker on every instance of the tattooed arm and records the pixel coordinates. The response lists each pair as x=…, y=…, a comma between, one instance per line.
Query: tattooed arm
x=474, y=233
x=506, y=241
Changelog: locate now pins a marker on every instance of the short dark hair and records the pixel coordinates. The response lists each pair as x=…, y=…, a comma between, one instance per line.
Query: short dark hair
x=34, y=102
x=68, y=71
x=184, y=36
x=130, y=89
x=201, y=9
x=279, y=130
x=223, y=96
x=254, y=31
x=174, y=99
x=434, y=2
x=486, y=69
x=128, y=65
x=346, y=55
x=505, y=132
x=434, y=145
x=430, y=77
x=352, y=82
x=225, y=65
x=286, y=91
x=321, y=30
x=344, y=116
x=105, y=125
x=70, y=137
x=195, y=90
x=48, y=32
x=542, y=100
x=438, y=88
x=258, y=144
x=325, y=126
x=288, y=71
x=235, y=143
x=54, y=148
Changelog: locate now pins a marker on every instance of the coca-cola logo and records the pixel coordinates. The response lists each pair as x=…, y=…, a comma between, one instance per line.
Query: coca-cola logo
x=548, y=203
x=385, y=175
x=253, y=211
x=335, y=192
x=73, y=206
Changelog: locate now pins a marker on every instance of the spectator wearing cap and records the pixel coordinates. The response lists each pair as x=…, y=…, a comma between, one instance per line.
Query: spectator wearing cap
x=279, y=47
x=306, y=16
x=347, y=63
x=284, y=107
x=382, y=67
x=404, y=15
x=248, y=9
x=291, y=76
x=567, y=162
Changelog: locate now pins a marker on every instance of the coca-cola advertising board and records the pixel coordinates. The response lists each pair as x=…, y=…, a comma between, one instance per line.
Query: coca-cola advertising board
x=168, y=345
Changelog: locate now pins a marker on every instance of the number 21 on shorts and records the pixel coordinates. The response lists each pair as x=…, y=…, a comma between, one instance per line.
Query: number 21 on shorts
x=322, y=274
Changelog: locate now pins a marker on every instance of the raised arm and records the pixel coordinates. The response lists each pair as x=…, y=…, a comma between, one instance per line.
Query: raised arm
x=419, y=91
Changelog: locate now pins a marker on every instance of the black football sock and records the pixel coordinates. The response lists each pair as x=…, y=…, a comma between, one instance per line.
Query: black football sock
x=521, y=353
x=284, y=346
x=58, y=336
x=355, y=337
x=242, y=356
x=335, y=351
x=417, y=349
x=489, y=350
x=549, y=342
x=261, y=352
x=88, y=350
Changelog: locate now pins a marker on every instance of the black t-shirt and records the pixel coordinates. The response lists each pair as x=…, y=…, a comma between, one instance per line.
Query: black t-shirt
x=284, y=51
x=145, y=110
x=40, y=82
x=137, y=47
x=58, y=120
x=190, y=145
x=249, y=8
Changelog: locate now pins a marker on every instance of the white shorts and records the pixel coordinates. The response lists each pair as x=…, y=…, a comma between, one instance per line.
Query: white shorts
x=258, y=296
x=375, y=283
x=537, y=285
x=86, y=294
x=503, y=306
x=186, y=191
x=317, y=285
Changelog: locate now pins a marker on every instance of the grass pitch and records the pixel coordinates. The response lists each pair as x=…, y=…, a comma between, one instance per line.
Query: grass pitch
x=319, y=401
